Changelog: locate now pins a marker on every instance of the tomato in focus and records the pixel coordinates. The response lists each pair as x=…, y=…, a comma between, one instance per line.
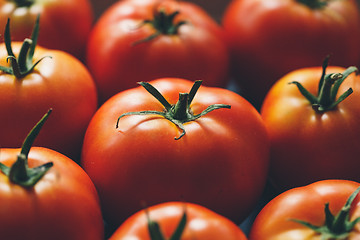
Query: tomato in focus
x=219, y=160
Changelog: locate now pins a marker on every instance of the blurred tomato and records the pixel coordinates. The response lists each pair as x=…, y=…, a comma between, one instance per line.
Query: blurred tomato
x=141, y=40
x=178, y=220
x=65, y=24
x=269, y=38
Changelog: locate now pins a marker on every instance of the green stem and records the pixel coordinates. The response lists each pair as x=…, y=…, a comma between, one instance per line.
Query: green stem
x=23, y=3
x=180, y=110
x=314, y=4
x=163, y=23
x=328, y=89
x=23, y=65
x=19, y=173
x=335, y=227
x=155, y=230
x=179, y=113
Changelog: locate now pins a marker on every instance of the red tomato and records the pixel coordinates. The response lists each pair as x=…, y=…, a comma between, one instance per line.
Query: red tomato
x=65, y=24
x=197, y=223
x=45, y=195
x=61, y=82
x=285, y=217
x=220, y=162
x=307, y=144
x=189, y=45
x=269, y=38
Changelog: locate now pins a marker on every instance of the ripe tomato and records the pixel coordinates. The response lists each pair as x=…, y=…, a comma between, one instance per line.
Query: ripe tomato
x=269, y=38
x=61, y=82
x=218, y=160
x=299, y=213
x=65, y=24
x=185, y=220
x=141, y=40
x=308, y=144
x=46, y=200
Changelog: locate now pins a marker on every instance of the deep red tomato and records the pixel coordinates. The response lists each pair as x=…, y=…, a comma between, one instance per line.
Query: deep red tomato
x=186, y=43
x=61, y=82
x=197, y=223
x=307, y=143
x=65, y=24
x=269, y=38
x=220, y=160
x=45, y=195
x=299, y=213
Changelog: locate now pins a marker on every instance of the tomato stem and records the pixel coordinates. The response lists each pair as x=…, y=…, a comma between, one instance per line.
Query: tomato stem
x=335, y=227
x=23, y=65
x=163, y=23
x=23, y=3
x=178, y=113
x=19, y=173
x=314, y=4
x=328, y=89
x=155, y=230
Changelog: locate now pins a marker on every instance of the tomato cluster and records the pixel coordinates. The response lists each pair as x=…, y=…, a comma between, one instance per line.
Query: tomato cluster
x=171, y=119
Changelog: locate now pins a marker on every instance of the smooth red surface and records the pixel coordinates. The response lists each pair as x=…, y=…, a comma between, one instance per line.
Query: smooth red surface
x=63, y=205
x=220, y=163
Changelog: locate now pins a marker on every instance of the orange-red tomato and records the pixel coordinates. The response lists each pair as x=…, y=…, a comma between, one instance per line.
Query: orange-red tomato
x=219, y=163
x=269, y=38
x=65, y=24
x=63, y=205
x=61, y=82
x=308, y=145
x=195, y=49
x=276, y=220
x=201, y=223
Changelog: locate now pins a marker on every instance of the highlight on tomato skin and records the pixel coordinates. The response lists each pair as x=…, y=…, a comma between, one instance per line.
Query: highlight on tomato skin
x=327, y=209
x=217, y=159
x=178, y=220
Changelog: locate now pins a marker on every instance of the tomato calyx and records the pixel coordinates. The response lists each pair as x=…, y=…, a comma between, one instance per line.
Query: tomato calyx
x=19, y=173
x=328, y=88
x=23, y=65
x=155, y=229
x=335, y=227
x=163, y=24
x=314, y=4
x=178, y=113
x=23, y=3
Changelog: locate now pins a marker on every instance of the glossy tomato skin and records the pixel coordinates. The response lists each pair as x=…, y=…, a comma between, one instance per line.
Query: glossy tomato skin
x=270, y=38
x=61, y=82
x=197, y=51
x=306, y=145
x=304, y=203
x=201, y=224
x=63, y=205
x=220, y=162
x=65, y=24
